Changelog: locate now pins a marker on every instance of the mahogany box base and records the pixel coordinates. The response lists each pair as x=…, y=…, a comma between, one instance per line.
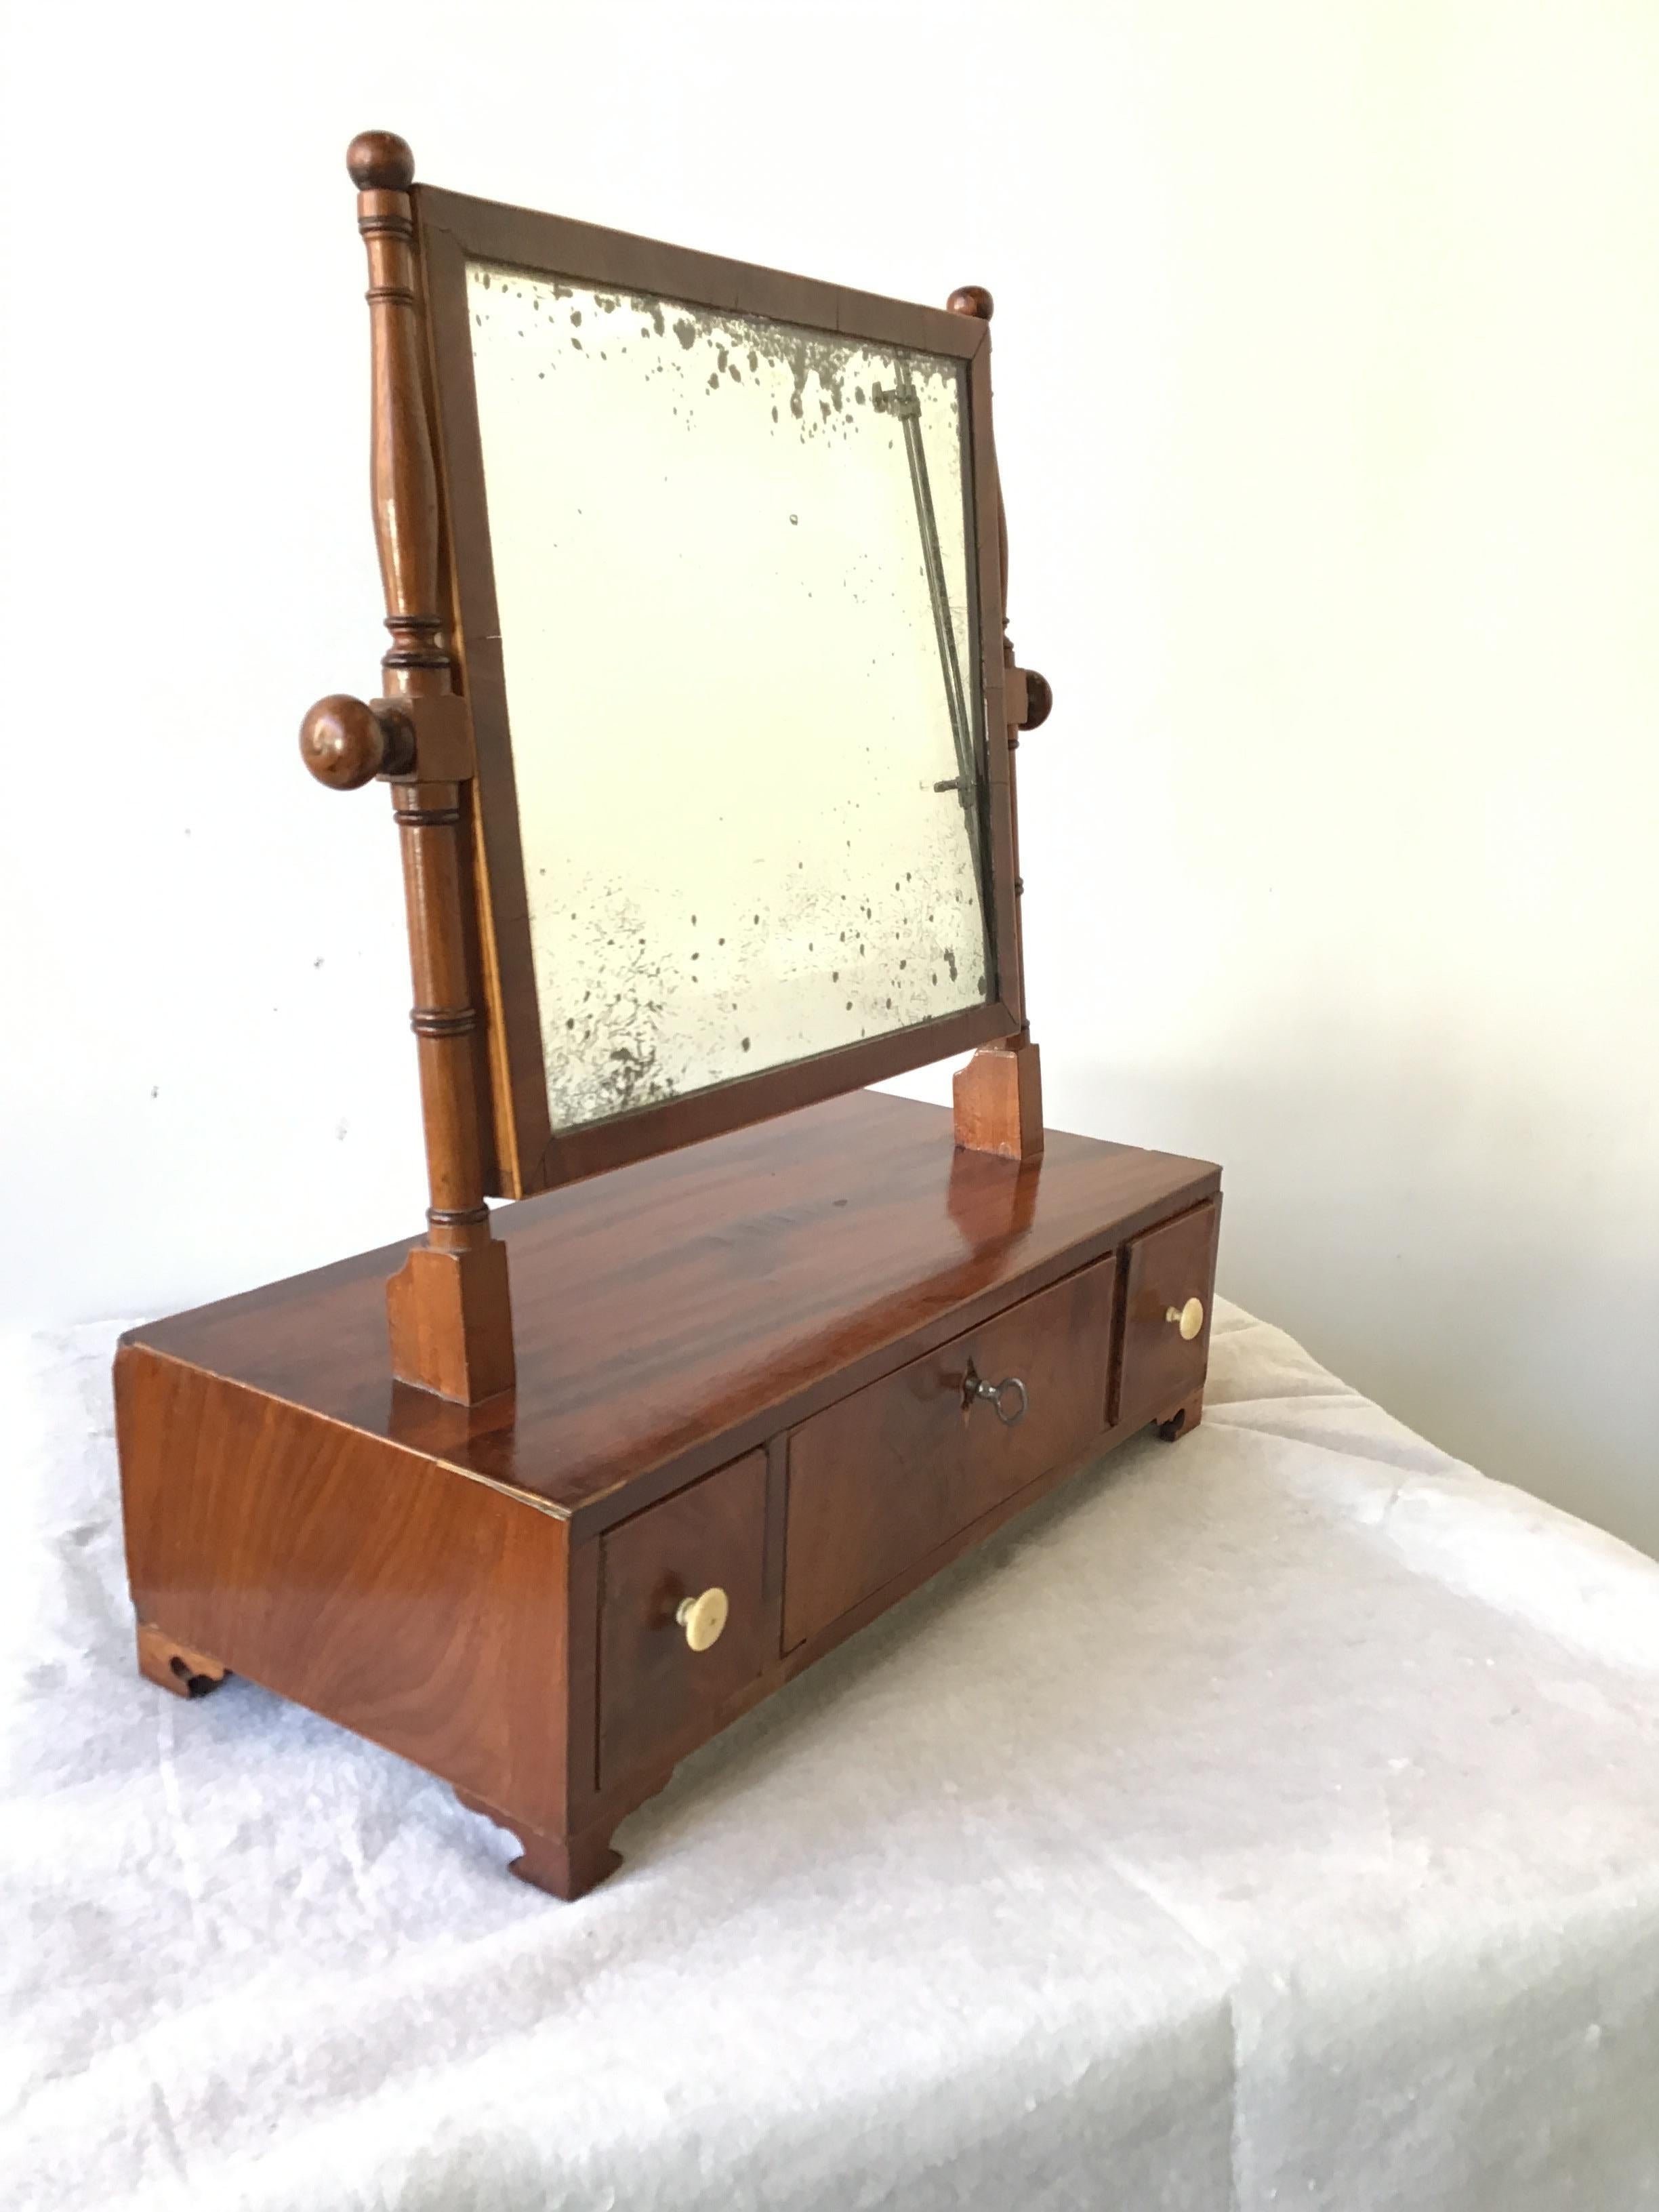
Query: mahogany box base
x=754, y=1366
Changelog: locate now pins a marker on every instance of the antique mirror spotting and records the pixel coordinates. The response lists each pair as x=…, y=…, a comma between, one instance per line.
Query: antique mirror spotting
x=699, y=716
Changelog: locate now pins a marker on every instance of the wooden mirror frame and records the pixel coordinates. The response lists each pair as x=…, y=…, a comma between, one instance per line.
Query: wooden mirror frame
x=440, y=737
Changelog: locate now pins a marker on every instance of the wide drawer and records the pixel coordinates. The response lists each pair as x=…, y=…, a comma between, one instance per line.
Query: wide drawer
x=1168, y=1288
x=881, y=1479
x=655, y=1686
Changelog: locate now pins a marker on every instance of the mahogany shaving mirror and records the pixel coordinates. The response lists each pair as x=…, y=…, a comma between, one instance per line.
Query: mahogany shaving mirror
x=699, y=723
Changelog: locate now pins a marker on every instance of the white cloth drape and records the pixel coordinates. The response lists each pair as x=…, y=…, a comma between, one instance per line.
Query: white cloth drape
x=1270, y=1820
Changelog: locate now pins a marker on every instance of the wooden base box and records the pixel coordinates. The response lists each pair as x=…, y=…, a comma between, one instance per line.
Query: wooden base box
x=765, y=1387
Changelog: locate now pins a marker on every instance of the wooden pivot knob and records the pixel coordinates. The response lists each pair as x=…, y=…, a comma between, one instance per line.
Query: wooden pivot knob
x=1188, y=1319
x=347, y=743
x=971, y=299
x=1039, y=700
x=702, y=1618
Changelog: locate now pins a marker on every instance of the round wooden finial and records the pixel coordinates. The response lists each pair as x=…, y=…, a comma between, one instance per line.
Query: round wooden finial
x=1039, y=700
x=346, y=744
x=971, y=299
x=380, y=161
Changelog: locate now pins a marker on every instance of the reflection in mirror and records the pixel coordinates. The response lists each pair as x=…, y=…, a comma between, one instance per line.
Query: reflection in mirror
x=733, y=566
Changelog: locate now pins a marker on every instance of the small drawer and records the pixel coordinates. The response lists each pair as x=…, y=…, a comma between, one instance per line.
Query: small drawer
x=1171, y=1271
x=880, y=1481
x=654, y=1686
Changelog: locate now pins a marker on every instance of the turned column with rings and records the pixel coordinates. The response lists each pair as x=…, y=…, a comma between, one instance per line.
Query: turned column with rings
x=448, y=1308
x=997, y=1095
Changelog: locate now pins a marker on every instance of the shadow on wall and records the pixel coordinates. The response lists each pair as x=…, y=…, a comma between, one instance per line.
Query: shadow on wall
x=1392, y=1219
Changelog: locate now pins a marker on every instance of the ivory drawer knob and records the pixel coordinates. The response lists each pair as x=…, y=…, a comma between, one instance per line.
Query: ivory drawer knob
x=702, y=1618
x=1188, y=1319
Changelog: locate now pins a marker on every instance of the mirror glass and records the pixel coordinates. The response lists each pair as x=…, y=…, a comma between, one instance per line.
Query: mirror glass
x=733, y=565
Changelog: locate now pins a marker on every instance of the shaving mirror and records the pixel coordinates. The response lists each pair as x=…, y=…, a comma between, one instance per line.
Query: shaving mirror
x=698, y=732
x=729, y=616
x=731, y=561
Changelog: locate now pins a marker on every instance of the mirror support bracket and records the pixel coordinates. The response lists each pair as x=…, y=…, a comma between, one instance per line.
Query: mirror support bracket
x=998, y=1099
x=449, y=1310
x=997, y=1095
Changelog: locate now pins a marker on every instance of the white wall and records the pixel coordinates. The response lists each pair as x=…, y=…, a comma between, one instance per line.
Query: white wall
x=1329, y=349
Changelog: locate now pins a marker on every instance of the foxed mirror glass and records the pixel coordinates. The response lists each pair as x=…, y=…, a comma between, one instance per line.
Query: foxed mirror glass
x=724, y=545
x=738, y=628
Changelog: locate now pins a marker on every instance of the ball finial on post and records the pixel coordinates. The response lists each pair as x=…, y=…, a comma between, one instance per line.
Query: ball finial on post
x=971, y=299
x=380, y=161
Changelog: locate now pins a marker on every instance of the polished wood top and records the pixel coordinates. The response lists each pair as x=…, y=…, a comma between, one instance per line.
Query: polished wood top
x=673, y=1314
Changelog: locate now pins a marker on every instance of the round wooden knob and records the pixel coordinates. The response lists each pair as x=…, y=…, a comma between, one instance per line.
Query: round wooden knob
x=1188, y=1319
x=380, y=161
x=702, y=1618
x=971, y=299
x=346, y=744
x=1039, y=700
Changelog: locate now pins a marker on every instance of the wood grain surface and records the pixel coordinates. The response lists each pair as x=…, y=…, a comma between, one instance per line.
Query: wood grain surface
x=885, y=1477
x=652, y=1686
x=1165, y=1268
x=423, y=1611
x=681, y=1311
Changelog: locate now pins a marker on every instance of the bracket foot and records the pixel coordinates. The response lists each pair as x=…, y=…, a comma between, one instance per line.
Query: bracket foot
x=1184, y=1420
x=566, y=1867
x=176, y=1667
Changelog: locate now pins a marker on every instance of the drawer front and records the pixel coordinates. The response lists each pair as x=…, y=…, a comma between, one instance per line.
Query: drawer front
x=879, y=1480
x=1167, y=1268
x=655, y=1688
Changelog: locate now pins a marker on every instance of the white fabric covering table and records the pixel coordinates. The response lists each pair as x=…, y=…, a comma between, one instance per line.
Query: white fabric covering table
x=1268, y=1821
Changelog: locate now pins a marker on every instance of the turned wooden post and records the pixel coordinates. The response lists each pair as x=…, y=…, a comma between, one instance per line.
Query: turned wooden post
x=448, y=1308
x=999, y=1094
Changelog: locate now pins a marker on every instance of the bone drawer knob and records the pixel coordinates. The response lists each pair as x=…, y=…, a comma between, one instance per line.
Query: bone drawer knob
x=1188, y=1319
x=702, y=1618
